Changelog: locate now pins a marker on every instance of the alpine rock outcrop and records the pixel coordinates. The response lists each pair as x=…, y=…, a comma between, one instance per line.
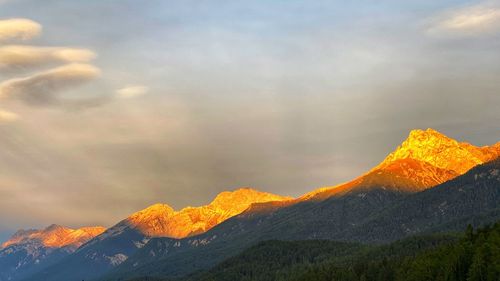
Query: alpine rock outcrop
x=160, y=220
x=425, y=159
x=29, y=250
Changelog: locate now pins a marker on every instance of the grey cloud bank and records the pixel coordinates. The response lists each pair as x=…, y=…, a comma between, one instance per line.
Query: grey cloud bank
x=237, y=94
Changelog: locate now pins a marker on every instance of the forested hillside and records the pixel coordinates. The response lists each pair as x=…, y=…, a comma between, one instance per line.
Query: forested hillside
x=471, y=256
x=475, y=257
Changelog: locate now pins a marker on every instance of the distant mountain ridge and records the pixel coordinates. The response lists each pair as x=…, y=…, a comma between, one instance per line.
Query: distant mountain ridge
x=160, y=220
x=55, y=236
x=28, y=250
x=122, y=240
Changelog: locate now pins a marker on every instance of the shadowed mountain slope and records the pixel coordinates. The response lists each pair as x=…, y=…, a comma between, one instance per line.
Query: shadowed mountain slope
x=473, y=255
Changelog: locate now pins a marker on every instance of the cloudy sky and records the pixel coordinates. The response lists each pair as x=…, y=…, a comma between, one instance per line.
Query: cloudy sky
x=107, y=107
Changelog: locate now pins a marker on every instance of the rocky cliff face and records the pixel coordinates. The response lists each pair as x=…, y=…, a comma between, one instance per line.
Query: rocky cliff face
x=54, y=236
x=425, y=159
x=161, y=220
x=442, y=152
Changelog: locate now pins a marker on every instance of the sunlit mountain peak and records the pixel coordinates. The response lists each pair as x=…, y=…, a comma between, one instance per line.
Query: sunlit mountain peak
x=160, y=220
x=440, y=151
x=55, y=236
x=152, y=211
x=425, y=159
x=238, y=200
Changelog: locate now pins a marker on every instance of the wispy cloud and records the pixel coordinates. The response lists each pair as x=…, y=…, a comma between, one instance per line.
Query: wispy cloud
x=132, y=91
x=472, y=20
x=47, y=87
x=7, y=116
x=18, y=28
x=43, y=88
x=19, y=56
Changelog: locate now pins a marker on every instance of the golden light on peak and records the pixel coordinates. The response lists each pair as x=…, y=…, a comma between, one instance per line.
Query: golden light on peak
x=440, y=151
x=161, y=220
x=425, y=159
x=56, y=236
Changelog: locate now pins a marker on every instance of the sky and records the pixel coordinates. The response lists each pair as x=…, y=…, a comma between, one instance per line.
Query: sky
x=107, y=107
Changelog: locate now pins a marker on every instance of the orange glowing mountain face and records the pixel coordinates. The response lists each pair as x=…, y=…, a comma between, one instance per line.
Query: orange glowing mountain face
x=160, y=220
x=442, y=152
x=55, y=236
x=425, y=159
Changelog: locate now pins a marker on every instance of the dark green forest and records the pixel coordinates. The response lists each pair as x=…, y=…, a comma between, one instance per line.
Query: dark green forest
x=474, y=257
x=470, y=256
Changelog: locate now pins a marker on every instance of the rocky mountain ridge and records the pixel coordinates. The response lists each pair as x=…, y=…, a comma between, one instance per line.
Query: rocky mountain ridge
x=29, y=250
x=54, y=236
x=425, y=159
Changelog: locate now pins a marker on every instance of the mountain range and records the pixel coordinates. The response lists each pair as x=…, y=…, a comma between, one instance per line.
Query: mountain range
x=430, y=183
x=375, y=216
x=117, y=243
x=28, y=250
